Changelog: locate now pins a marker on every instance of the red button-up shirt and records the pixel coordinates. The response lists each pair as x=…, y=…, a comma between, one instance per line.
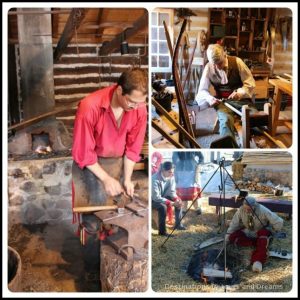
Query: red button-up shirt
x=96, y=132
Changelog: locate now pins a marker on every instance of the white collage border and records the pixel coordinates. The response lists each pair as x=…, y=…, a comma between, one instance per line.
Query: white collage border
x=293, y=150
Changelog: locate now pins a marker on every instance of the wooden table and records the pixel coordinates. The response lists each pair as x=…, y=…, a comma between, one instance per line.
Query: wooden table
x=280, y=88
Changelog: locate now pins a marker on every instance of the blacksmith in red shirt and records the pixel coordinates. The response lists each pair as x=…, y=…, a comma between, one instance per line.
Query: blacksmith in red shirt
x=110, y=123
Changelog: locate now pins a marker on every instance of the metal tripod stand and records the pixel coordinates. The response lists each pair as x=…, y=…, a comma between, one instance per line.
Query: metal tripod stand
x=220, y=168
x=242, y=194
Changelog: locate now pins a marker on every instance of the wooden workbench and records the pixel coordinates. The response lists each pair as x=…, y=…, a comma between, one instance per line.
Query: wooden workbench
x=280, y=88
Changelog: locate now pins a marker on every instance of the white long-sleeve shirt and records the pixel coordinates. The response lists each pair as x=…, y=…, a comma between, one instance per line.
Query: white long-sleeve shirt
x=211, y=71
x=266, y=216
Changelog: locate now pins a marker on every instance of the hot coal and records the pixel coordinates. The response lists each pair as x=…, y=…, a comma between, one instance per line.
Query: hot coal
x=41, y=143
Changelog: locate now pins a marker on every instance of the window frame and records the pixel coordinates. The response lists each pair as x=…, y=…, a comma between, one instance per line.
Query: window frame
x=170, y=12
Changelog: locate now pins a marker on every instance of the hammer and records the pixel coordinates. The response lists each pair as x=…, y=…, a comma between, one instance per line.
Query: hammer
x=121, y=200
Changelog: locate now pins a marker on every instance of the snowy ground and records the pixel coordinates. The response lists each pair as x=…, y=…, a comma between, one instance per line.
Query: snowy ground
x=211, y=182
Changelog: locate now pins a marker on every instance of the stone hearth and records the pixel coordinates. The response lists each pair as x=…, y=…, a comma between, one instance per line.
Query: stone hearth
x=39, y=190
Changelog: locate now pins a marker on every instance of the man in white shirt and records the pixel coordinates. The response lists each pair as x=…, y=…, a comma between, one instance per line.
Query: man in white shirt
x=231, y=79
x=252, y=225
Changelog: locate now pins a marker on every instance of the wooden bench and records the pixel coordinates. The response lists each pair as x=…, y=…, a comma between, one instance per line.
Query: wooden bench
x=281, y=206
x=154, y=219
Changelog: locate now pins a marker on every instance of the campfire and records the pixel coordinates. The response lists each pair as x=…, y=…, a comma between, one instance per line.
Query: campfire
x=207, y=266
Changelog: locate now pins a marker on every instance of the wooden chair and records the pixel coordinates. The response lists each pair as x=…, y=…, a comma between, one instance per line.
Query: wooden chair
x=249, y=120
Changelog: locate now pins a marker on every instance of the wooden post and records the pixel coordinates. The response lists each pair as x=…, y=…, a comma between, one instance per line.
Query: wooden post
x=183, y=115
x=246, y=126
x=268, y=111
x=177, y=125
x=121, y=275
x=178, y=87
x=166, y=135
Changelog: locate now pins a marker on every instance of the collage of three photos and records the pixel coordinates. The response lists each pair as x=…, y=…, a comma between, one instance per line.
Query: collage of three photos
x=150, y=149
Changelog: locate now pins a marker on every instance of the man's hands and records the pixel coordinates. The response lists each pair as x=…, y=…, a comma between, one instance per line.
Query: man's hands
x=129, y=188
x=177, y=203
x=235, y=96
x=112, y=186
x=215, y=102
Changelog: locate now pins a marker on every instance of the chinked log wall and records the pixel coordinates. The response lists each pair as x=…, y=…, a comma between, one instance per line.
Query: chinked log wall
x=80, y=71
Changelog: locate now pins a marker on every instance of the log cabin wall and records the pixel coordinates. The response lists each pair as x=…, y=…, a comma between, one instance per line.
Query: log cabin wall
x=283, y=60
x=80, y=70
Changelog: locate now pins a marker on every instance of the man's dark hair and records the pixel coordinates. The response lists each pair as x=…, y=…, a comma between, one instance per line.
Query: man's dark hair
x=134, y=79
x=167, y=165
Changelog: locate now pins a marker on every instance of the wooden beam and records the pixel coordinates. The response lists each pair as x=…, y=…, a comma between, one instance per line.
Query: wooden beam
x=275, y=141
x=107, y=25
x=282, y=206
x=166, y=135
x=73, y=23
x=173, y=122
x=55, y=18
x=99, y=31
x=39, y=118
x=187, y=76
x=168, y=39
x=246, y=126
x=137, y=26
x=41, y=12
x=178, y=87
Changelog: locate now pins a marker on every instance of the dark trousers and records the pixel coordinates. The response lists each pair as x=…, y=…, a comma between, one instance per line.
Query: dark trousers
x=162, y=215
x=91, y=247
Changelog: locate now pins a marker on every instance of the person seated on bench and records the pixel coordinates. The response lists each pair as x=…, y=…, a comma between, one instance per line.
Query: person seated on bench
x=251, y=226
x=231, y=79
x=164, y=196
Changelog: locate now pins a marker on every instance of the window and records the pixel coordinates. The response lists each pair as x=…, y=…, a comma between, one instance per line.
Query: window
x=160, y=56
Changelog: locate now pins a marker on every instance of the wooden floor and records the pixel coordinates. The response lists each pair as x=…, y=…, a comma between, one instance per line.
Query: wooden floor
x=205, y=121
